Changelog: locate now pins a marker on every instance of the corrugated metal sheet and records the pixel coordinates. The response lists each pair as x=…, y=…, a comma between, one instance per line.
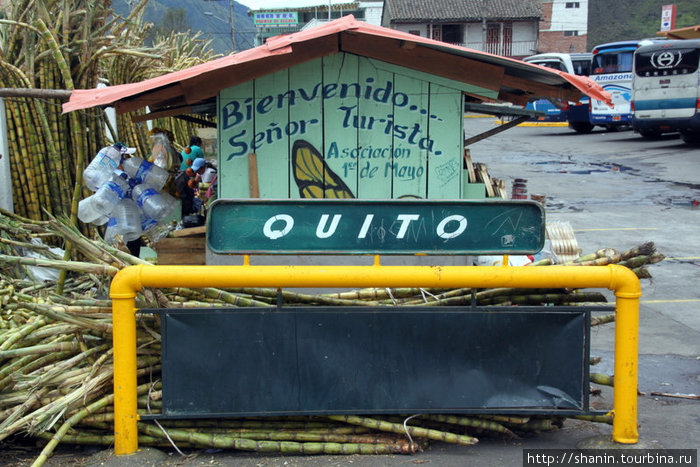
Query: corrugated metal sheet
x=185, y=90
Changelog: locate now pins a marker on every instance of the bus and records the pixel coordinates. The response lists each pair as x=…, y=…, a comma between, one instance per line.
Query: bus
x=574, y=63
x=611, y=67
x=666, y=89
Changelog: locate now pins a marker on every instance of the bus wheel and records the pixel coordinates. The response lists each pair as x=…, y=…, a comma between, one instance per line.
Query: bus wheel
x=581, y=127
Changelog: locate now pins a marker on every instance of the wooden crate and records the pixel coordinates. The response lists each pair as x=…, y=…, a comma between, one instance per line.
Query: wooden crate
x=187, y=246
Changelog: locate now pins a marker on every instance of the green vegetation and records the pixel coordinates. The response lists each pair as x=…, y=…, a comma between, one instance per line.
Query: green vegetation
x=619, y=20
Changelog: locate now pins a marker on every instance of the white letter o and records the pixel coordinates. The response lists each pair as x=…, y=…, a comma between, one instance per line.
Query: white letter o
x=275, y=234
x=455, y=217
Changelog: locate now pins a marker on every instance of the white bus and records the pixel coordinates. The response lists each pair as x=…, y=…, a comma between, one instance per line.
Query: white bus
x=666, y=89
x=611, y=67
x=574, y=63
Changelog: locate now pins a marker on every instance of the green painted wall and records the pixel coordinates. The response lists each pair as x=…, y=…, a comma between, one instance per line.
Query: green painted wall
x=343, y=127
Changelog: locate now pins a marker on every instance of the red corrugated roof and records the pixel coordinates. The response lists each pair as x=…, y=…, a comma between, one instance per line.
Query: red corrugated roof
x=513, y=79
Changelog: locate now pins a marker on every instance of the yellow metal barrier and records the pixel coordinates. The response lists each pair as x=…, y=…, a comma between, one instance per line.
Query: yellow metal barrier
x=133, y=278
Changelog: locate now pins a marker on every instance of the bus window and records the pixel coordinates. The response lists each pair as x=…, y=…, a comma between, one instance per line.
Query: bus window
x=667, y=62
x=582, y=67
x=549, y=64
x=620, y=62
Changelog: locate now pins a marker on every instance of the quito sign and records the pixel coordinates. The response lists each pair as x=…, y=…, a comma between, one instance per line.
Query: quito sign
x=250, y=226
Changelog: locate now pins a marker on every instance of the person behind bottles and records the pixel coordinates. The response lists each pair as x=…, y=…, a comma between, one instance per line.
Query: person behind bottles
x=192, y=152
x=185, y=184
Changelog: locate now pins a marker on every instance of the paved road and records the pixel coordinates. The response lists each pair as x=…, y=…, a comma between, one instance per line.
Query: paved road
x=616, y=190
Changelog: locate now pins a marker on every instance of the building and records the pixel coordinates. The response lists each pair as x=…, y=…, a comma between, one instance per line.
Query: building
x=503, y=27
x=343, y=110
x=274, y=21
x=564, y=26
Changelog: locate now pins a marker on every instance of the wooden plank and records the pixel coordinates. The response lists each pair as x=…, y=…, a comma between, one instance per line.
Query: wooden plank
x=305, y=82
x=483, y=176
x=191, y=231
x=410, y=162
x=494, y=131
x=182, y=250
x=190, y=258
x=374, y=137
x=340, y=111
x=253, y=175
x=469, y=165
x=236, y=127
x=443, y=139
x=272, y=130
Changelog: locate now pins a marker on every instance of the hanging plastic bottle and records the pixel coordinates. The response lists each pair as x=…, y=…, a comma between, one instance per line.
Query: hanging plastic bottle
x=87, y=212
x=111, y=231
x=145, y=172
x=109, y=194
x=153, y=229
x=156, y=205
x=101, y=167
x=127, y=219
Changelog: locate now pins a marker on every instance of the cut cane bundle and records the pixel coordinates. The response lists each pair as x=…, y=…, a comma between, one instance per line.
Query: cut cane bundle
x=56, y=363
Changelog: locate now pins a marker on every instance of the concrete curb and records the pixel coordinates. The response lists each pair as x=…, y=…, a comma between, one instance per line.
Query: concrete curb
x=542, y=124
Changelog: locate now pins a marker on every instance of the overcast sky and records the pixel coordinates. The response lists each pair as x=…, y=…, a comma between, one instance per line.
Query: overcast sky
x=286, y=4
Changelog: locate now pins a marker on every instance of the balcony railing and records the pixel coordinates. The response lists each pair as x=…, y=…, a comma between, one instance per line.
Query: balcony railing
x=512, y=49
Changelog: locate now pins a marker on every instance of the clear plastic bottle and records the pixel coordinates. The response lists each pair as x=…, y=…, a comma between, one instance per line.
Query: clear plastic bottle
x=101, y=167
x=155, y=205
x=154, y=230
x=87, y=211
x=145, y=172
x=109, y=194
x=111, y=231
x=127, y=219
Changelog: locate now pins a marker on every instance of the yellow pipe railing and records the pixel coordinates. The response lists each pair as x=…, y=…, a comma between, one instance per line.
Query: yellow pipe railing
x=131, y=279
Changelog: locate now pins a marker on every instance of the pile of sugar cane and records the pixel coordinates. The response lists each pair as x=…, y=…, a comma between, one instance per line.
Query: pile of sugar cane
x=56, y=362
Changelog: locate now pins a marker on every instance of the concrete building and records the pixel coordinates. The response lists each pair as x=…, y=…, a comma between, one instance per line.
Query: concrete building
x=274, y=21
x=503, y=27
x=564, y=26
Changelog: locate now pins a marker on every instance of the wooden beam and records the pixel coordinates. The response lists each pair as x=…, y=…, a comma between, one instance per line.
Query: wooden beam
x=199, y=121
x=162, y=113
x=494, y=131
x=60, y=94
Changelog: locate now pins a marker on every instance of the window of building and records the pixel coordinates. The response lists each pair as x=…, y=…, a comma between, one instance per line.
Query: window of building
x=415, y=32
x=573, y=4
x=570, y=33
x=453, y=33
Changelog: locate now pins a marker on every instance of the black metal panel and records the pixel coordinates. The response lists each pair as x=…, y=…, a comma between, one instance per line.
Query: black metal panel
x=400, y=360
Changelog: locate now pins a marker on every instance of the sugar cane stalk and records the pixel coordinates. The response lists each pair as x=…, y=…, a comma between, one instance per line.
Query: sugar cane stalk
x=399, y=428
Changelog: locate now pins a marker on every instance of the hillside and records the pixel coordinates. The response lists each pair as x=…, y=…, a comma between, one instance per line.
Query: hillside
x=618, y=20
x=214, y=26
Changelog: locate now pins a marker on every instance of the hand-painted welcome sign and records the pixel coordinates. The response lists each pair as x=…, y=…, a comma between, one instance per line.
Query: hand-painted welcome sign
x=342, y=127
x=235, y=114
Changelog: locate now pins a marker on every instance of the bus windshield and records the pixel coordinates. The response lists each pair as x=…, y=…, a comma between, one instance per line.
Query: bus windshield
x=582, y=67
x=612, y=62
x=667, y=62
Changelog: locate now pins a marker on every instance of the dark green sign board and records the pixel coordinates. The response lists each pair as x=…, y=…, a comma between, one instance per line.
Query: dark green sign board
x=316, y=360
x=325, y=226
